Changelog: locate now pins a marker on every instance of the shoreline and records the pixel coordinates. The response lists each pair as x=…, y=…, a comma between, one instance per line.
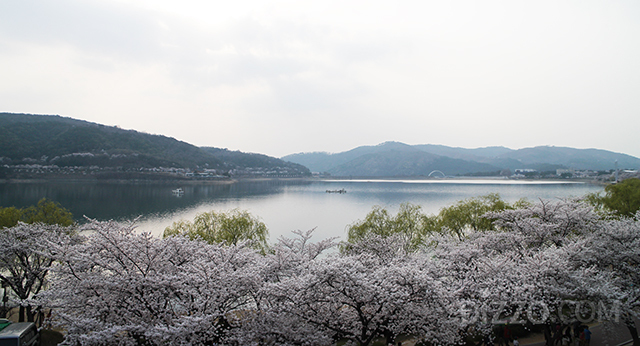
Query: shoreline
x=488, y=179
x=147, y=181
x=224, y=181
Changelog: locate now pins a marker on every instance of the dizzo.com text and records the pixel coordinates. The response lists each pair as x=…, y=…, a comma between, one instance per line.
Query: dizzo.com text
x=539, y=312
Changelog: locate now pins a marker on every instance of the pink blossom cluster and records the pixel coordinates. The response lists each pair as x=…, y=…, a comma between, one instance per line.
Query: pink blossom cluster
x=117, y=286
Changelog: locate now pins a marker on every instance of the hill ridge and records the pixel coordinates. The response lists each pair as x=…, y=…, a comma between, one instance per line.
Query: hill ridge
x=53, y=140
x=491, y=160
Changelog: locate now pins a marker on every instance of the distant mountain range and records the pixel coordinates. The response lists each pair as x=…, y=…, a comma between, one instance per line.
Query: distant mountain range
x=35, y=141
x=399, y=159
x=27, y=139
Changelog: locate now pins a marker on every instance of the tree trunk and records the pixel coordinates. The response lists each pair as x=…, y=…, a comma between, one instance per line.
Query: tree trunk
x=389, y=337
x=548, y=338
x=25, y=314
x=21, y=313
x=628, y=321
x=30, y=314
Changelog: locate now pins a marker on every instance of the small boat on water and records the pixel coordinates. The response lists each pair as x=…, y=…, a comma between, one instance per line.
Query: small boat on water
x=337, y=191
x=178, y=192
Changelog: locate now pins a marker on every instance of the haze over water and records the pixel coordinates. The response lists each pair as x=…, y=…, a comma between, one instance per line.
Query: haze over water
x=284, y=206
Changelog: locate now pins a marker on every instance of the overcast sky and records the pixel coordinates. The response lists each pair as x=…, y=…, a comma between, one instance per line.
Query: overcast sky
x=280, y=77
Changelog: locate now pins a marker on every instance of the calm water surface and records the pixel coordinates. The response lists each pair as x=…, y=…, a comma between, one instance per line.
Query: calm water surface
x=283, y=205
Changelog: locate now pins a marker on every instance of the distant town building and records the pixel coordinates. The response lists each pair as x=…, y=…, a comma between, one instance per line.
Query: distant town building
x=525, y=170
x=560, y=172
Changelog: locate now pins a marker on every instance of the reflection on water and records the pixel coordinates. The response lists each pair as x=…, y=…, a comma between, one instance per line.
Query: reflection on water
x=283, y=205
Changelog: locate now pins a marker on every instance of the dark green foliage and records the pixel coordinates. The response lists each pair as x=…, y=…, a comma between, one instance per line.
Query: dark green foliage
x=10, y=216
x=242, y=160
x=66, y=142
x=54, y=140
x=414, y=226
x=622, y=199
x=467, y=215
x=228, y=228
x=409, y=223
x=46, y=211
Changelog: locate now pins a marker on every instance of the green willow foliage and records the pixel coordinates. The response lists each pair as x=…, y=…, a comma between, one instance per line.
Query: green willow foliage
x=228, y=228
x=410, y=223
x=621, y=199
x=414, y=226
x=46, y=211
x=467, y=215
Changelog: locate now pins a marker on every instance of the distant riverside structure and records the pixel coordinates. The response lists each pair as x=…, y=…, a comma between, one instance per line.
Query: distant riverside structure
x=525, y=170
x=437, y=171
x=565, y=171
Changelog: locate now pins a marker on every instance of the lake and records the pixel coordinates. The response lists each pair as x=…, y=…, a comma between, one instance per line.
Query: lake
x=283, y=205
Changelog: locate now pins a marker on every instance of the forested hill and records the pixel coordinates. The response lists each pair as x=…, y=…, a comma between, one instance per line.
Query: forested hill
x=399, y=159
x=252, y=161
x=64, y=142
x=45, y=139
x=388, y=159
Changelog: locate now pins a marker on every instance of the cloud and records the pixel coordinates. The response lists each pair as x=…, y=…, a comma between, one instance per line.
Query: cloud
x=98, y=27
x=281, y=75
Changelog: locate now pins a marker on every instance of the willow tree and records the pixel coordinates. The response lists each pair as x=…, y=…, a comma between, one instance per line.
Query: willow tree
x=413, y=227
x=409, y=224
x=621, y=199
x=469, y=215
x=46, y=212
x=228, y=228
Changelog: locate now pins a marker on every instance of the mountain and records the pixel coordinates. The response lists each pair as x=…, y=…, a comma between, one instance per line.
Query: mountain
x=488, y=155
x=55, y=141
x=66, y=142
x=387, y=159
x=45, y=139
x=399, y=159
x=247, y=161
x=463, y=153
x=594, y=159
x=407, y=163
x=323, y=162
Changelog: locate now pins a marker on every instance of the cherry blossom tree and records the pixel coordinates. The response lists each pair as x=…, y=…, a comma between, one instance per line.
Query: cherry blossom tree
x=266, y=324
x=119, y=287
x=314, y=299
x=25, y=259
x=290, y=254
x=525, y=269
x=361, y=297
x=615, y=248
x=496, y=277
x=385, y=248
x=547, y=223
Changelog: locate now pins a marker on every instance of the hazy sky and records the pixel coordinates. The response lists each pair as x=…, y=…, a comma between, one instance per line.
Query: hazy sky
x=279, y=77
